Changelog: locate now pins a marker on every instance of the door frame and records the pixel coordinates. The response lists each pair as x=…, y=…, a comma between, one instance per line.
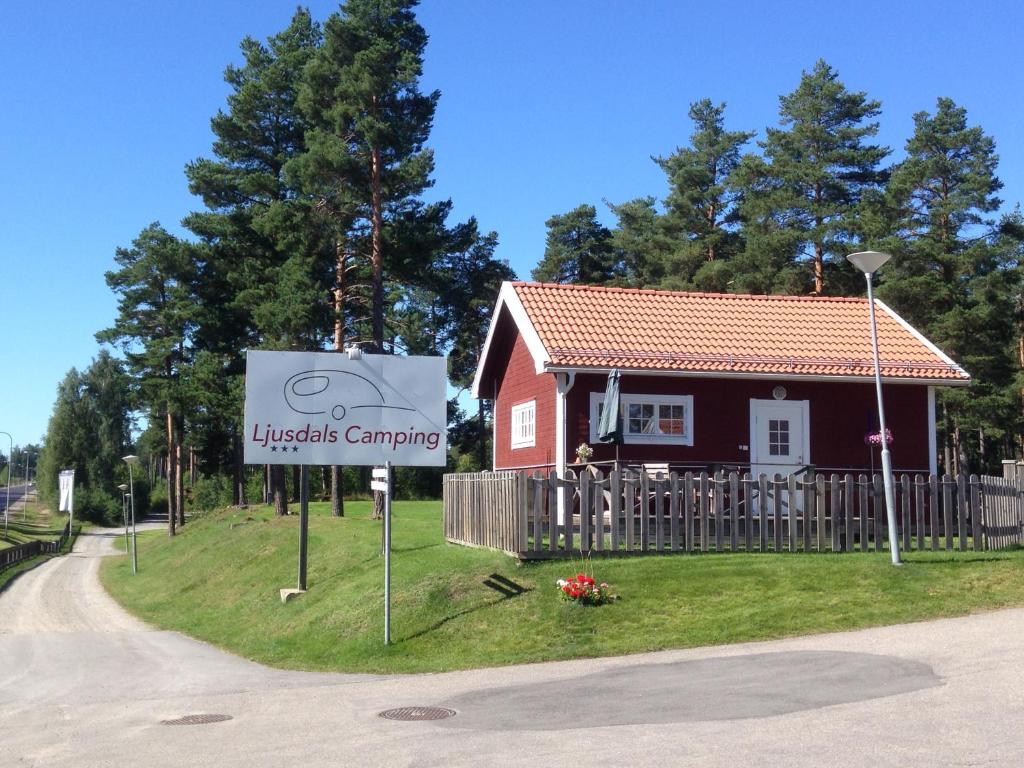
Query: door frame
x=805, y=417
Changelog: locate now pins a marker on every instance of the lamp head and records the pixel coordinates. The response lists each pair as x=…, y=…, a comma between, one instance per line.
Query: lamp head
x=122, y=487
x=868, y=262
x=130, y=459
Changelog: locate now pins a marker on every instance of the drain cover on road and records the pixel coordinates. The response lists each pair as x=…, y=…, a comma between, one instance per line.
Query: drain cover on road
x=196, y=720
x=417, y=713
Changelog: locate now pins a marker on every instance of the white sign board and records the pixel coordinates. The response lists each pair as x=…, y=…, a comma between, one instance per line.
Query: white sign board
x=67, y=490
x=325, y=408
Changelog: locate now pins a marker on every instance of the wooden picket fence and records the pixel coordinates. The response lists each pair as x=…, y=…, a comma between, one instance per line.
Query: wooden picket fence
x=537, y=515
x=14, y=555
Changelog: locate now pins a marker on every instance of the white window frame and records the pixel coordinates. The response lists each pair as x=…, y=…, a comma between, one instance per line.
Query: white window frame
x=627, y=399
x=523, y=423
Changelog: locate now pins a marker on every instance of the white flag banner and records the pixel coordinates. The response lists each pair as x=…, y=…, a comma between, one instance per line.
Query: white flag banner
x=67, y=490
x=326, y=408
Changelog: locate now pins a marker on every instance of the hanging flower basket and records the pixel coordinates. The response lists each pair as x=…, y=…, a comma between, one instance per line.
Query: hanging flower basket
x=875, y=438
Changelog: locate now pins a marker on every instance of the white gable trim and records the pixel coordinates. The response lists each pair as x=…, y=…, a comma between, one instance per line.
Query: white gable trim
x=508, y=298
x=920, y=337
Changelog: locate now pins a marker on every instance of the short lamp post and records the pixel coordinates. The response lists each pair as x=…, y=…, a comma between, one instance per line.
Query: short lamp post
x=131, y=460
x=124, y=513
x=869, y=262
x=10, y=464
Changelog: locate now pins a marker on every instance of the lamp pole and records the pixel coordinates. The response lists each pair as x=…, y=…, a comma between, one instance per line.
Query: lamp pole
x=124, y=512
x=10, y=464
x=131, y=460
x=868, y=262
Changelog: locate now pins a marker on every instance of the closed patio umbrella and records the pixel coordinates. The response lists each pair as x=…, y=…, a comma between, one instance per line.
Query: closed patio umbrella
x=609, y=426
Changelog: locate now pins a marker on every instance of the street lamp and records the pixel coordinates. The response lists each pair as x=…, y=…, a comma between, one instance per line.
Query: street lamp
x=10, y=461
x=132, y=460
x=869, y=262
x=124, y=512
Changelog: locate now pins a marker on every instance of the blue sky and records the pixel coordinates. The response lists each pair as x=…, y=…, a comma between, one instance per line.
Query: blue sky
x=545, y=105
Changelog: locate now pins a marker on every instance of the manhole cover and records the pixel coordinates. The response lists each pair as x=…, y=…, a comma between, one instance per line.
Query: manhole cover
x=196, y=720
x=417, y=713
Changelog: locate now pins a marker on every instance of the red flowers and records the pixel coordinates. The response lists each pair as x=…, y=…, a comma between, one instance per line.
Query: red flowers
x=584, y=590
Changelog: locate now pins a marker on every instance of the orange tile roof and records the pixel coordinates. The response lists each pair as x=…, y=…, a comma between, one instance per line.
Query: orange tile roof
x=593, y=327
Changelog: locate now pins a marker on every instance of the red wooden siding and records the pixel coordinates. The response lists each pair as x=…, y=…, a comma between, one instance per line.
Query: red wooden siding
x=518, y=383
x=840, y=415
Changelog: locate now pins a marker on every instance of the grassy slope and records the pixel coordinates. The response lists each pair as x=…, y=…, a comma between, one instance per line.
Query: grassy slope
x=218, y=581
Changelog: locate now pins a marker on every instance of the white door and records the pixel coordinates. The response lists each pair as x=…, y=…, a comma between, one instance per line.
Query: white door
x=779, y=432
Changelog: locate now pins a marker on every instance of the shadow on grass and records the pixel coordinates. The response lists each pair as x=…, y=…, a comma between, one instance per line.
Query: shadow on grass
x=961, y=560
x=507, y=588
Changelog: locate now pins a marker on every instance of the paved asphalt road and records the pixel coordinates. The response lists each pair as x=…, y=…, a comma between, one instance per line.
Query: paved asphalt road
x=84, y=684
x=17, y=491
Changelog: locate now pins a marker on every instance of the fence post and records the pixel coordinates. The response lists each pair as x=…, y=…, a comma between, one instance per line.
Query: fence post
x=976, y=514
x=615, y=486
x=673, y=511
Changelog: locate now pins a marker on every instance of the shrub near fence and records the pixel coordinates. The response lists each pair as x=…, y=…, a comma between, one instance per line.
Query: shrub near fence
x=541, y=516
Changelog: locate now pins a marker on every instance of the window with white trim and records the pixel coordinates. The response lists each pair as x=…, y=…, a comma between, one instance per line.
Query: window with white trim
x=665, y=419
x=524, y=425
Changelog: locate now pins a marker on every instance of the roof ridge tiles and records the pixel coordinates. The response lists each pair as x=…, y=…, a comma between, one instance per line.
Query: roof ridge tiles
x=695, y=294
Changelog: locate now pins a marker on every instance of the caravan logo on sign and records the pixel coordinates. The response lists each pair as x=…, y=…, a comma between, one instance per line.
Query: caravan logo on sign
x=324, y=408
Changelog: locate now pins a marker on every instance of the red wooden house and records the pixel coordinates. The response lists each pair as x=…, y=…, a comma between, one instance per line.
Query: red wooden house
x=765, y=383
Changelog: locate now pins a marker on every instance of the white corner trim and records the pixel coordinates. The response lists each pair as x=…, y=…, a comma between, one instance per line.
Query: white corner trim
x=920, y=337
x=508, y=298
x=933, y=446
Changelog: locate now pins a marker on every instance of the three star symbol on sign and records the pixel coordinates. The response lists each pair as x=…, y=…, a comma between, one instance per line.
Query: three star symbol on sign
x=284, y=449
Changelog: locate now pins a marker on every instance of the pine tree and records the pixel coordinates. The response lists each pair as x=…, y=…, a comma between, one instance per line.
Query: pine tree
x=370, y=120
x=265, y=272
x=579, y=250
x=702, y=205
x=154, y=327
x=954, y=274
x=643, y=244
x=472, y=278
x=801, y=200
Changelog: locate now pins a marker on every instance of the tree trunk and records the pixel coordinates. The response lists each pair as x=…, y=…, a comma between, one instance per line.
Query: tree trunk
x=277, y=489
x=337, y=492
x=179, y=475
x=340, y=283
x=296, y=481
x=819, y=270
x=481, y=423
x=238, y=472
x=377, y=263
x=958, y=459
x=171, y=486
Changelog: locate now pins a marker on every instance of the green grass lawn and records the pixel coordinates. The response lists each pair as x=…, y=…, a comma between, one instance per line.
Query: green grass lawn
x=218, y=580
x=33, y=521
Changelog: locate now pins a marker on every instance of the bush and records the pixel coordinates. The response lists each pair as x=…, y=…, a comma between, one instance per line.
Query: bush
x=157, y=499
x=211, y=493
x=254, y=488
x=97, y=506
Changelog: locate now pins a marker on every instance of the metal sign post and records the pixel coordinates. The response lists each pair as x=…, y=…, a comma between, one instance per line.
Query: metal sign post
x=382, y=482
x=303, y=523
